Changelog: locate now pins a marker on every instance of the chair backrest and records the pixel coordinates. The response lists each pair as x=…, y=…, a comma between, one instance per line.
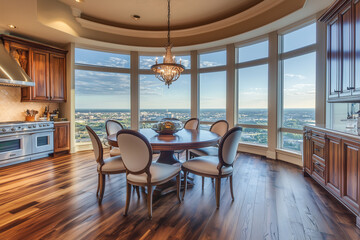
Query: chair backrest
x=220, y=127
x=96, y=143
x=229, y=145
x=113, y=126
x=192, y=123
x=136, y=151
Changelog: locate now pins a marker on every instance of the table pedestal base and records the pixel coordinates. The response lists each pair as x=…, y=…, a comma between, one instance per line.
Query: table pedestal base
x=168, y=157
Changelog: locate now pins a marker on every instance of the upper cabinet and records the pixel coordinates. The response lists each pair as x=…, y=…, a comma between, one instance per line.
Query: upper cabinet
x=343, y=49
x=45, y=65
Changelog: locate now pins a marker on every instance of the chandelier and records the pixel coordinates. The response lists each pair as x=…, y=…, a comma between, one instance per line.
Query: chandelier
x=169, y=71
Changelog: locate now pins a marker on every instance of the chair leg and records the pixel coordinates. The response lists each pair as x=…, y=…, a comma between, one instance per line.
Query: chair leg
x=138, y=191
x=231, y=187
x=202, y=182
x=98, y=186
x=217, y=191
x=178, y=182
x=185, y=184
x=128, y=195
x=187, y=155
x=102, y=187
x=149, y=200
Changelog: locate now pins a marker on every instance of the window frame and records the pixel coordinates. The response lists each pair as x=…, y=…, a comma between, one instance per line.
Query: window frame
x=244, y=65
x=97, y=68
x=223, y=68
x=282, y=56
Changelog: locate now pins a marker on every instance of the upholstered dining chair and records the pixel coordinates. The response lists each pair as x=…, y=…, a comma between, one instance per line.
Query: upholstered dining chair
x=112, y=165
x=216, y=167
x=112, y=127
x=137, y=155
x=219, y=127
x=192, y=123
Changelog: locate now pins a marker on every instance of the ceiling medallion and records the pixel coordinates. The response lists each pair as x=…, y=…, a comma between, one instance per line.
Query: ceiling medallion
x=169, y=71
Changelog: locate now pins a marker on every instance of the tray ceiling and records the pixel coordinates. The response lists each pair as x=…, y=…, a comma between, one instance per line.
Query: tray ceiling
x=153, y=13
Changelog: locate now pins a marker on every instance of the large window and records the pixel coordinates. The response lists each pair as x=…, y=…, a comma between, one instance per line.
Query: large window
x=212, y=59
x=252, y=74
x=158, y=100
x=212, y=96
x=102, y=91
x=298, y=84
x=212, y=85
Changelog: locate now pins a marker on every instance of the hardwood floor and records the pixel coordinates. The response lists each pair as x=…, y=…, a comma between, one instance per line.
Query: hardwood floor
x=55, y=198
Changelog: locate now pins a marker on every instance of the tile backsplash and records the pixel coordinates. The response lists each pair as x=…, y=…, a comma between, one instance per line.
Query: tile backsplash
x=12, y=109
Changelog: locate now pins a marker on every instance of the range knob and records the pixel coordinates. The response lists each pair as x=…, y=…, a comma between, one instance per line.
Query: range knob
x=13, y=129
x=40, y=125
x=4, y=130
x=34, y=126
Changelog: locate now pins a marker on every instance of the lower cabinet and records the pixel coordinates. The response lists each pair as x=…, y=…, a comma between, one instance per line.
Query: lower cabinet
x=333, y=160
x=351, y=170
x=62, y=137
x=333, y=164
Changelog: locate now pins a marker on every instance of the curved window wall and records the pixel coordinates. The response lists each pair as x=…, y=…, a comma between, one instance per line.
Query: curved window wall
x=231, y=83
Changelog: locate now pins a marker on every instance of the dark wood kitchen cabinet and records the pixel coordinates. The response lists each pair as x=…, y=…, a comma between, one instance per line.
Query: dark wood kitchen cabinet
x=40, y=75
x=332, y=158
x=61, y=137
x=343, y=49
x=45, y=65
x=333, y=164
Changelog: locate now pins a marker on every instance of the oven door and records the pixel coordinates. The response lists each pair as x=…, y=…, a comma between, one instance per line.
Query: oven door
x=14, y=146
x=43, y=142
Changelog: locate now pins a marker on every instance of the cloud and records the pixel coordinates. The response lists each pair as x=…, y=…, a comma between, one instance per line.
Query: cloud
x=205, y=64
x=146, y=63
x=300, y=89
x=295, y=76
x=101, y=83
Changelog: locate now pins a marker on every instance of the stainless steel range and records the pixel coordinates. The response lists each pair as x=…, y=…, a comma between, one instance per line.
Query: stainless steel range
x=25, y=141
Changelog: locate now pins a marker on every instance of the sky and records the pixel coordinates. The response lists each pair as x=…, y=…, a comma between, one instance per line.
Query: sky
x=104, y=90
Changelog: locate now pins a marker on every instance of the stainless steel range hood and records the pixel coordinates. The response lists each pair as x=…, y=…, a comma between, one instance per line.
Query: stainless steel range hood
x=11, y=74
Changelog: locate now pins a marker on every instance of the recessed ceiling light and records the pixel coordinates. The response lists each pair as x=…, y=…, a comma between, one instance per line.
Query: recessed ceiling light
x=79, y=1
x=11, y=26
x=136, y=17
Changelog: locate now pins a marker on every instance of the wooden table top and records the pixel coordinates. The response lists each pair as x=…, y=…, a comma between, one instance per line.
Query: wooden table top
x=184, y=139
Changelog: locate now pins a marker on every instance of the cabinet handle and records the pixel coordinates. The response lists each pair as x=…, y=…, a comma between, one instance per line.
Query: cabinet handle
x=317, y=164
x=337, y=91
x=350, y=88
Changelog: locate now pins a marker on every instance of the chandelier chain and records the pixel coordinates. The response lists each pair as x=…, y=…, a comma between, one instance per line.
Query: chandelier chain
x=168, y=35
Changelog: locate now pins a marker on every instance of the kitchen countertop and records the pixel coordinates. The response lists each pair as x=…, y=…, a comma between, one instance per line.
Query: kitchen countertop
x=341, y=129
x=55, y=122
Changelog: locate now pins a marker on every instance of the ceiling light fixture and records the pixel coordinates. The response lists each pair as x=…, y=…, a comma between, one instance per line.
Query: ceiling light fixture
x=11, y=26
x=136, y=17
x=168, y=71
x=79, y=1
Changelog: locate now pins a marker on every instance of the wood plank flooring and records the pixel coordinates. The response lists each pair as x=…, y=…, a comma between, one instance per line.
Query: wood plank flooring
x=55, y=198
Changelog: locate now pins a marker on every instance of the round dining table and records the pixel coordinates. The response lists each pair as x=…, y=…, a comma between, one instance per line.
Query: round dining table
x=167, y=144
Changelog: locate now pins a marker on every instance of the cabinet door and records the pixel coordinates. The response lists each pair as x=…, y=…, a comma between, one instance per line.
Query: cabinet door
x=40, y=74
x=351, y=178
x=307, y=151
x=57, y=77
x=356, y=12
x=62, y=137
x=333, y=57
x=346, y=51
x=333, y=164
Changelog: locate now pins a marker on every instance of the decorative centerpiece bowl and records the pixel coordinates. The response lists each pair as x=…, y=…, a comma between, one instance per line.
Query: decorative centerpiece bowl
x=168, y=126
